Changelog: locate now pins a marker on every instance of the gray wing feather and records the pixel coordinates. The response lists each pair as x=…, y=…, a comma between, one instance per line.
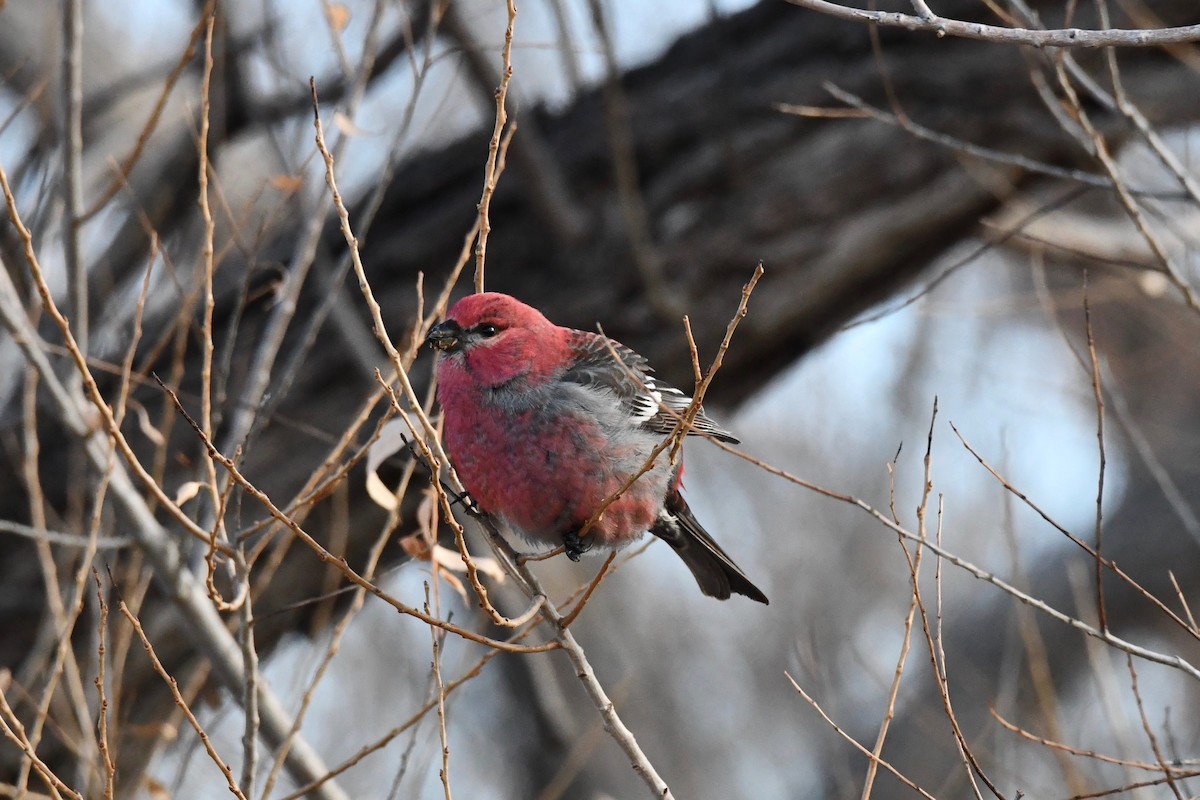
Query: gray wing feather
x=628, y=376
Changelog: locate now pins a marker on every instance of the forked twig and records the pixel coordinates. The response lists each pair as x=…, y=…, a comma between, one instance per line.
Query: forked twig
x=1174, y=661
x=390, y=736
x=856, y=744
x=337, y=561
x=173, y=685
x=683, y=424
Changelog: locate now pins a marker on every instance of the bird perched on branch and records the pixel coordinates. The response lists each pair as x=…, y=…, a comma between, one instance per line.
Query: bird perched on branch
x=545, y=423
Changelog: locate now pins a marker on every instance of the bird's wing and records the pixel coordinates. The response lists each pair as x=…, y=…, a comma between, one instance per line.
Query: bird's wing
x=603, y=363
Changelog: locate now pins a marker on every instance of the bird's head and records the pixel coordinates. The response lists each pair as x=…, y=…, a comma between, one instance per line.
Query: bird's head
x=496, y=338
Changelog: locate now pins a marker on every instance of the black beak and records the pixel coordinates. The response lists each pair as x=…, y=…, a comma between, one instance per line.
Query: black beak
x=444, y=336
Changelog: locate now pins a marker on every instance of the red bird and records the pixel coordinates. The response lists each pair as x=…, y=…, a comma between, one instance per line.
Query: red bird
x=543, y=424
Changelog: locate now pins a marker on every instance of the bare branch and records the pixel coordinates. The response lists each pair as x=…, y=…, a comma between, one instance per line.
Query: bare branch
x=72, y=67
x=173, y=685
x=1065, y=37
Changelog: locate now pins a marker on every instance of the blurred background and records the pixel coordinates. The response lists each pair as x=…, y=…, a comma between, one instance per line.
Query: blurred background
x=931, y=214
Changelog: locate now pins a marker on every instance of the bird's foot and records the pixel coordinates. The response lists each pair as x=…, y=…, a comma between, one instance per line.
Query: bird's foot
x=574, y=545
x=466, y=501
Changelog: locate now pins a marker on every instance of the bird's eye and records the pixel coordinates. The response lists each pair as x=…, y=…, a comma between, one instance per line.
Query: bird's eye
x=488, y=331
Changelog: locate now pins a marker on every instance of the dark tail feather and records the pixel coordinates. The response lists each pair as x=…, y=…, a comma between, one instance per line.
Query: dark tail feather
x=715, y=571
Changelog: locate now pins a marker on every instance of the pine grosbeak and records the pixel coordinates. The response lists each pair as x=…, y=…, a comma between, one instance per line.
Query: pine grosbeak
x=543, y=424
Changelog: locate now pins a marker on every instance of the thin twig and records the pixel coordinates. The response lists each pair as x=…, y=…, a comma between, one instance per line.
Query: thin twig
x=127, y=165
x=1187, y=609
x=438, y=638
x=1075, y=539
x=110, y=769
x=1174, y=661
x=72, y=67
x=1093, y=140
x=1098, y=394
x=1065, y=37
x=206, y=319
x=933, y=634
x=337, y=561
x=173, y=685
x=489, y=170
x=591, y=587
x=858, y=746
x=1078, y=751
x=388, y=737
x=249, y=676
x=1154, y=746
x=14, y=731
x=616, y=728
x=914, y=571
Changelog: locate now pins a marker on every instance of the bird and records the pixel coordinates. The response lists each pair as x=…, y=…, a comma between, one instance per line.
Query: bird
x=543, y=423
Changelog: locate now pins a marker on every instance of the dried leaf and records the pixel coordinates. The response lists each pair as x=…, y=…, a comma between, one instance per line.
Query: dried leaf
x=146, y=426
x=347, y=126
x=451, y=559
x=156, y=790
x=427, y=514
x=338, y=15
x=187, y=491
x=163, y=731
x=390, y=442
x=454, y=583
x=288, y=184
x=417, y=547
x=1154, y=284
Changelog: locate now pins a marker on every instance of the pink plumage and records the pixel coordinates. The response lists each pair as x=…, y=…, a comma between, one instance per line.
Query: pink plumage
x=543, y=423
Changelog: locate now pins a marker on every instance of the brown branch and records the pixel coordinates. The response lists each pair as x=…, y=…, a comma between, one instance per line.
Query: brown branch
x=544, y=180
x=1098, y=394
x=72, y=86
x=857, y=745
x=1078, y=751
x=683, y=425
x=1175, y=661
x=173, y=685
x=13, y=730
x=110, y=769
x=387, y=738
x=337, y=561
x=489, y=171
x=1075, y=539
x=1154, y=746
x=439, y=638
x=591, y=587
x=126, y=166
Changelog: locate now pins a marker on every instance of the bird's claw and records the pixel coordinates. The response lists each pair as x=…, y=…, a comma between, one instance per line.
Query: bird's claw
x=574, y=545
x=468, y=503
